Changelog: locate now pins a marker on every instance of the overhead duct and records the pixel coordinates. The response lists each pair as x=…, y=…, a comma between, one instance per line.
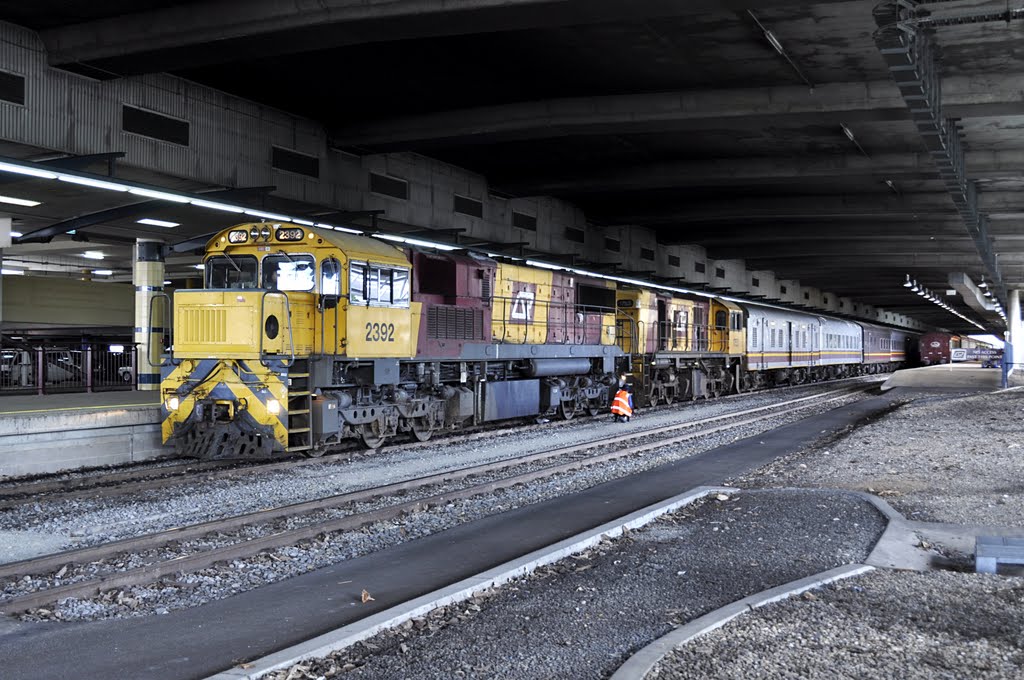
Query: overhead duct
x=971, y=293
x=908, y=51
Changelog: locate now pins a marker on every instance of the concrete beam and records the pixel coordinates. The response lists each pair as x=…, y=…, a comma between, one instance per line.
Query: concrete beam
x=920, y=206
x=759, y=171
x=269, y=27
x=962, y=97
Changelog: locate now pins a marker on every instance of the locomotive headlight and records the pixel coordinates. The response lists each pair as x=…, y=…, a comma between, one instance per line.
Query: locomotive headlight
x=173, y=403
x=273, y=407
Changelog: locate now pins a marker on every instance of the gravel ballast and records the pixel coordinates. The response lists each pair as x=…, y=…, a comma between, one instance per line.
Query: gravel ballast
x=226, y=579
x=581, y=617
x=937, y=625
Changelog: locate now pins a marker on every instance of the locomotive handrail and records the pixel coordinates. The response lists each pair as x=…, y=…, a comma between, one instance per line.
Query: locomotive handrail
x=288, y=313
x=168, y=325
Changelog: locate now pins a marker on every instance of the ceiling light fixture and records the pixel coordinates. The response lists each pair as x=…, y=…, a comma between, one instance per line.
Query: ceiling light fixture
x=22, y=170
x=16, y=234
x=93, y=255
x=907, y=283
x=158, y=223
x=94, y=183
x=19, y=201
x=12, y=272
x=216, y=206
x=162, y=195
x=777, y=46
x=103, y=272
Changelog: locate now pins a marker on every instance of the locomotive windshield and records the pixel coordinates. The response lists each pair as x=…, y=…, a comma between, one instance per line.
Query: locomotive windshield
x=289, y=272
x=236, y=271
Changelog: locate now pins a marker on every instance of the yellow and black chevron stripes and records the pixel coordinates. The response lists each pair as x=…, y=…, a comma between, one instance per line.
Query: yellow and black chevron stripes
x=249, y=385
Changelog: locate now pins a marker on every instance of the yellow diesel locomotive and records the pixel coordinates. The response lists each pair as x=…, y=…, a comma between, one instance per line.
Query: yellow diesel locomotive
x=303, y=337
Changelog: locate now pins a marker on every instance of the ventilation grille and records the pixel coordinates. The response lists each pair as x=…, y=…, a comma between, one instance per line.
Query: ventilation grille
x=647, y=254
x=468, y=206
x=524, y=221
x=203, y=326
x=293, y=161
x=389, y=186
x=575, y=235
x=12, y=88
x=154, y=125
x=446, y=322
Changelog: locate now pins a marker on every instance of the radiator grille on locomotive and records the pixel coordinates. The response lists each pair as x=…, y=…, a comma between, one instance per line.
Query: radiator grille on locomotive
x=203, y=325
x=454, y=323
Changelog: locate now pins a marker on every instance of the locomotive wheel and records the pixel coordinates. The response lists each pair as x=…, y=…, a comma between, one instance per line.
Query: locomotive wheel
x=370, y=434
x=567, y=409
x=420, y=429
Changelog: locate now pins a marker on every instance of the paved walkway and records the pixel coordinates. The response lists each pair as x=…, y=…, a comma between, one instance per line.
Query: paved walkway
x=968, y=376
x=33, y=403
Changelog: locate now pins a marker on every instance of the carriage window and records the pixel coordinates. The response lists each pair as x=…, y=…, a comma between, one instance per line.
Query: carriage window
x=378, y=285
x=330, y=277
x=237, y=271
x=289, y=272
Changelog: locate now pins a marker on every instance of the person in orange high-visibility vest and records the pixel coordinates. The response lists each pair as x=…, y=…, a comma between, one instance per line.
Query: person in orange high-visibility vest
x=622, y=405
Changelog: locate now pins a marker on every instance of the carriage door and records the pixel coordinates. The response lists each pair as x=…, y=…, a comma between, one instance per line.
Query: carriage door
x=789, y=340
x=662, y=326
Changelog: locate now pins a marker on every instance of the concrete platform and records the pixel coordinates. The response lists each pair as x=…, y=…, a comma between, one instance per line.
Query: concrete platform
x=50, y=433
x=969, y=376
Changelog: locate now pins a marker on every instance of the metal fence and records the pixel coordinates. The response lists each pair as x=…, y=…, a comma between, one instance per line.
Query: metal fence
x=82, y=367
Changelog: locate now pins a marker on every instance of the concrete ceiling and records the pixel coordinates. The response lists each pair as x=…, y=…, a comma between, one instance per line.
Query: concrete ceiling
x=678, y=116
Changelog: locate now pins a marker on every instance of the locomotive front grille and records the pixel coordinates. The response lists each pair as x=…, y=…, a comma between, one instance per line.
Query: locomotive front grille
x=203, y=325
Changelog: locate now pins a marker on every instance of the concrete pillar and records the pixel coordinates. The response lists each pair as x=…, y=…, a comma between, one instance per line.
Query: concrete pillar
x=1016, y=333
x=149, y=326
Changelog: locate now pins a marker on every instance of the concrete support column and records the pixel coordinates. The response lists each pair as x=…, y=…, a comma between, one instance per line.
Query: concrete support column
x=1016, y=333
x=149, y=316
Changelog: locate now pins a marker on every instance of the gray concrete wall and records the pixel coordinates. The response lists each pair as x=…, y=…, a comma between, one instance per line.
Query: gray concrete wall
x=31, y=299
x=37, y=443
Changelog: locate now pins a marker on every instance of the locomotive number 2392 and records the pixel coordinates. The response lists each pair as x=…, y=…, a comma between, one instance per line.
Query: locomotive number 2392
x=380, y=332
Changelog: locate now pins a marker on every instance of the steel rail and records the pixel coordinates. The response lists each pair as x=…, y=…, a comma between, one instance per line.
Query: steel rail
x=109, y=484
x=246, y=548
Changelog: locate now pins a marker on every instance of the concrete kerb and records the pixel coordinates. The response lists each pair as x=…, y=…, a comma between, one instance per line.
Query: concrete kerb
x=360, y=630
x=641, y=663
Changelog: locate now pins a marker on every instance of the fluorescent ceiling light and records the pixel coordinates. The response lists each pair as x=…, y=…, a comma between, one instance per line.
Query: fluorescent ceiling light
x=157, y=223
x=95, y=183
x=16, y=234
x=92, y=255
x=19, y=201
x=344, y=229
x=200, y=266
x=12, y=272
x=269, y=216
x=216, y=206
x=103, y=272
x=159, y=194
x=167, y=283
x=414, y=242
x=304, y=222
x=21, y=170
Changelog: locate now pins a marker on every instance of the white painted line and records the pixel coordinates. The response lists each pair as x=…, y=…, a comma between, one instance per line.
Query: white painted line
x=641, y=663
x=347, y=636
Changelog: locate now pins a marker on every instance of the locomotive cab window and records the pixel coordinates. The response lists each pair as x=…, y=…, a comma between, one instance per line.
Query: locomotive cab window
x=737, y=321
x=721, y=319
x=289, y=272
x=330, y=277
x=378, y=285
x=236, y=271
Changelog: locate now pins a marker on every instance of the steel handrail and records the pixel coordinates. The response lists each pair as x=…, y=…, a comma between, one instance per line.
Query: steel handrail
x=288, y=313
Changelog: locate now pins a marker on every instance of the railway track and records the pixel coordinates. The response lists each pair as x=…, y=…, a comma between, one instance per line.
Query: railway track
x=542, y=464
x=115, y=483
